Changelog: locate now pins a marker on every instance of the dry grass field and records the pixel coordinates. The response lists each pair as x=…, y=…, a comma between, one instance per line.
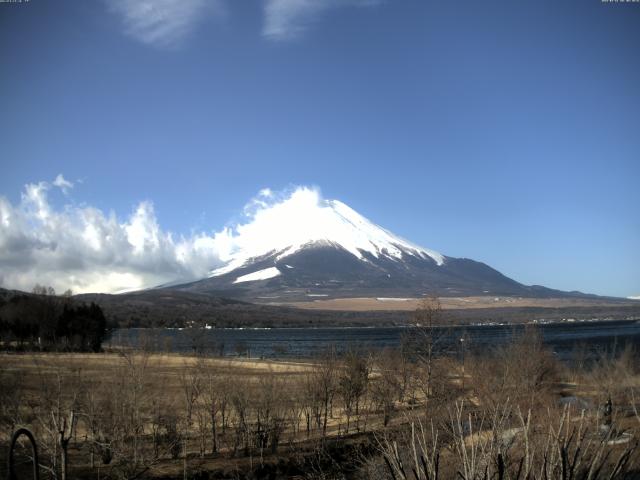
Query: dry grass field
x=451, y=303
x=127, y=415
x=171, y=402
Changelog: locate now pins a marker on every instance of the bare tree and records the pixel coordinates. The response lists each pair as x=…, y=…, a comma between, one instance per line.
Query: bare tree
x=324, y=377
x=56, y=413
x=386, y=385
x=428, y=333
x=125, y=417
x=353, y=379
x=522, y=371
x=214, y=397
x=240, y=399
x=502, y=443
x=270, y=411
x=191, y=385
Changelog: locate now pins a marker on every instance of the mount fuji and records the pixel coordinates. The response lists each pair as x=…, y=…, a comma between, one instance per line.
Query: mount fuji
x=309, y=248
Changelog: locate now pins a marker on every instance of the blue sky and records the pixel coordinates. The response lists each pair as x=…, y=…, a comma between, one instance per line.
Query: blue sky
x=502, y=131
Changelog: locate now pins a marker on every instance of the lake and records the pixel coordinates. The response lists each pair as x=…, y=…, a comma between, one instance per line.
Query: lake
x=563, y=338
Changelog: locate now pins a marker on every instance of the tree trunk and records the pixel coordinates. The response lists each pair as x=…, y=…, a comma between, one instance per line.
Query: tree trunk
x=63, y=459
x=214, y=434
x=326, y=415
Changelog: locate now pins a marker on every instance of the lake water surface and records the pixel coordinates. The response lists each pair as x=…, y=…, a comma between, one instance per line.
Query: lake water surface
x=563, y=338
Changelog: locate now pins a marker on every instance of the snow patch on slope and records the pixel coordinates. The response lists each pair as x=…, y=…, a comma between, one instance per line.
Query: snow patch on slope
x=259, y=275
x=304, y=218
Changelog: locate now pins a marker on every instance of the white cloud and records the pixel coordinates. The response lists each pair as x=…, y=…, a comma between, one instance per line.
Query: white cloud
x=168, y=23
x=63, y=184
x=286, y=221
x=286, y=19
x=266, y=192
x=163, y=23
x=87, y=250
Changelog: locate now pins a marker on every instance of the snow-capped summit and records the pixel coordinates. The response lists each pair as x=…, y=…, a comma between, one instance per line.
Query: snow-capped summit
x=301, y=246
x=305, y=219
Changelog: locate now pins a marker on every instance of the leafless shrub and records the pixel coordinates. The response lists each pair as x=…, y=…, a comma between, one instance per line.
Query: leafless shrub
x=11, y=398
x=504, y=444
x=523, y=371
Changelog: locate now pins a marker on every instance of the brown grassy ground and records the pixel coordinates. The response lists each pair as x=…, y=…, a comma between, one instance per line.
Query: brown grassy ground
x=164, y=382
x=32, y=365
x=167, y=368
x=451, y=303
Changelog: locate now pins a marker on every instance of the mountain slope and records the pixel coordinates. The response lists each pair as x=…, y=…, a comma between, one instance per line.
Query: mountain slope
x=323, y=270
x=307, y=247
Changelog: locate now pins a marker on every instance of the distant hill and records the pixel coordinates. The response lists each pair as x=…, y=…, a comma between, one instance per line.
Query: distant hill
x=176, y=308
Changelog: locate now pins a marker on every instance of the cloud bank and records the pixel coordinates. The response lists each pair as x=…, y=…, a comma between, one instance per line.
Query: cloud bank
x=87, y=250
x=163, y=23
x=82, y=248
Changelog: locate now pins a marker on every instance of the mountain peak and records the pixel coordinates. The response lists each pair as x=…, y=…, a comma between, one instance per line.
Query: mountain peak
x=300, y=246
x=305, y=219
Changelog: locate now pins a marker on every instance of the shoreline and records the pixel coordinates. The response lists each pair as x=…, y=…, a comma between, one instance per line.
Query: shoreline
x=569, y=321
